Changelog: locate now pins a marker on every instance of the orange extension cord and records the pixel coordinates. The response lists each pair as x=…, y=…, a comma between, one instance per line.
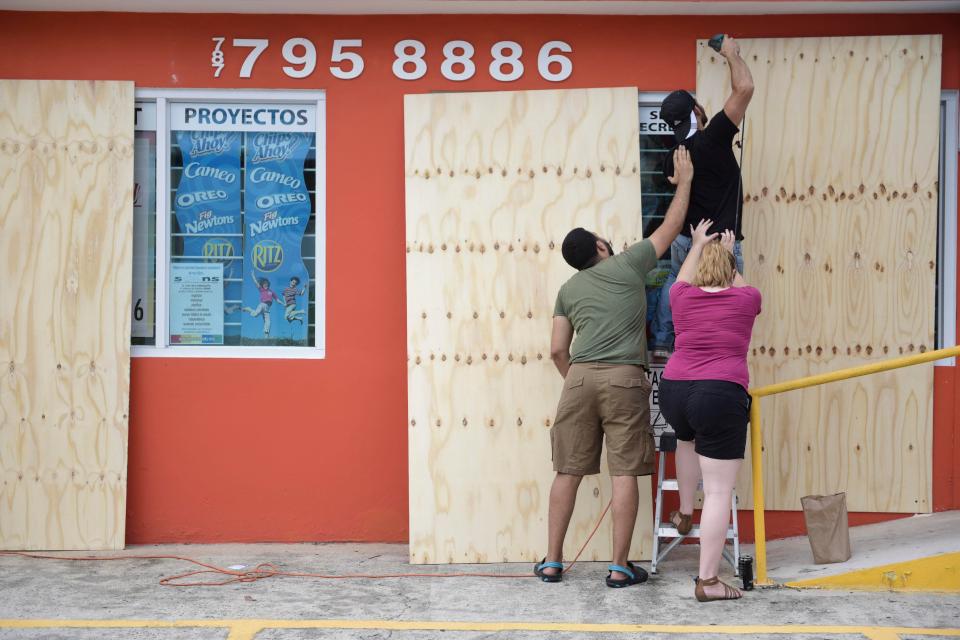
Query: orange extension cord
x=268, y=570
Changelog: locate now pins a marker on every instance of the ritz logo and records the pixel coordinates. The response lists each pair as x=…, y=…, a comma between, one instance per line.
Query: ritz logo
x=218, y=250
x=267, y=255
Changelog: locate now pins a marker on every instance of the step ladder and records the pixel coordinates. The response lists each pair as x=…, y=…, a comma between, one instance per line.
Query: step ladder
x=665, y=534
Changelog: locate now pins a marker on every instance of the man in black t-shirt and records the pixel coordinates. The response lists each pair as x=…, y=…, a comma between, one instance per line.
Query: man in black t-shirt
x=717, y=192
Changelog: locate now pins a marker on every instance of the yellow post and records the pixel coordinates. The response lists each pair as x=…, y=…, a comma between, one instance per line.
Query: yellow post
x=759, y=525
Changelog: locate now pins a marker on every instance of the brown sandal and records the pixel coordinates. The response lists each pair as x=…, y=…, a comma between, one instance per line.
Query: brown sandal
x=682, y=522
x=729, y=593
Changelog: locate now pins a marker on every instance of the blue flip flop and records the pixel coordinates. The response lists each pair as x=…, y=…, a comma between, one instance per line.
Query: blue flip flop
x=547, y=577
x=635, y=575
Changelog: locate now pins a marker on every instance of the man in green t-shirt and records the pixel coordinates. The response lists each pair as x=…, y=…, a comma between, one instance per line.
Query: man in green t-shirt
x=605, y=390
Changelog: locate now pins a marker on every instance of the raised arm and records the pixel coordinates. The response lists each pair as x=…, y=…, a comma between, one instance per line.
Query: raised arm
x=741, y=82
x=727, y=241
x=560, y=338
x=699, y=239
x=682, y=177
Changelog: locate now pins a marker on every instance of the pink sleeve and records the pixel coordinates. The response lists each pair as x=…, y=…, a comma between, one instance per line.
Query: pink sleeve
x=677, y=289
x=755, y=297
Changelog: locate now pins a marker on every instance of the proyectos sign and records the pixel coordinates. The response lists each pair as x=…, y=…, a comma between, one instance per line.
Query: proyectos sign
x=211, y=116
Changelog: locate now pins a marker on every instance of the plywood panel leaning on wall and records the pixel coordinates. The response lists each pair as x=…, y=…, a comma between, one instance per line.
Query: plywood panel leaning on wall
x=494, y=181
x=66, y=211
x=840, y=224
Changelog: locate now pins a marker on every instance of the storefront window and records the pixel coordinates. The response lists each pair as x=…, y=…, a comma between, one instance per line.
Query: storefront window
x=240, y=256
x=656, y=141
x=144, y=223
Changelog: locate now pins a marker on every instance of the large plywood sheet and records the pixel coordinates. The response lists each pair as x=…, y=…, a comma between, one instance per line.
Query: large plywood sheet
x=840, y=182
x=66, y=209
x=494, y=181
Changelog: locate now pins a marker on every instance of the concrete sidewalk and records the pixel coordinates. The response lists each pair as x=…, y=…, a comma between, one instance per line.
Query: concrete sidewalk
x=129, y=590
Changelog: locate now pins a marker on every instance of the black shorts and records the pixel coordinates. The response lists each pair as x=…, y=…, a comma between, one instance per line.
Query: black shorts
x=712, y=413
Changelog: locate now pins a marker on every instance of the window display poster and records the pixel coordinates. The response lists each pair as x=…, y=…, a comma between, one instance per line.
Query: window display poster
x=144, y=208
x=277, y=209
x=207, y=205
x=196, y=303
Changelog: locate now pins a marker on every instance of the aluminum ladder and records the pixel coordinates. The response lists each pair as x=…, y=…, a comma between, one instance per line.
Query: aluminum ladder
x=664, y=531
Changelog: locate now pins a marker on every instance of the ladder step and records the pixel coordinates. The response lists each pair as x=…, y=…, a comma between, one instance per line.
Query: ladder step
x=671, y=485
x=666, y=530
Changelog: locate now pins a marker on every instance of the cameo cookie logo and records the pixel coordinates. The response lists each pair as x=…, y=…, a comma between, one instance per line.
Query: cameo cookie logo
x=218, y=250
x=267, y=255
x=274, y=146
x=206, y=220
x=262, y=174
x=205, y=143
x=200, y=170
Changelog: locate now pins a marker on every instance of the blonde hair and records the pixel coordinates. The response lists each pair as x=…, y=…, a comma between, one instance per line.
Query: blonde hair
x=717, y=267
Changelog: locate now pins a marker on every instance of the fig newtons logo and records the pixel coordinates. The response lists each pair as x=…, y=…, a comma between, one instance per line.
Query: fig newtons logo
x=206, y=221
x=271, y=221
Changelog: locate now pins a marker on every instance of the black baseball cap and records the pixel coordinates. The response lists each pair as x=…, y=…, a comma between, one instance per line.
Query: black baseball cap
x=579, y=248
x=675, y=111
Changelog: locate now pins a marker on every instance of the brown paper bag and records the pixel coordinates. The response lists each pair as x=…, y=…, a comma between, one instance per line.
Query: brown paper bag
x=827, y=528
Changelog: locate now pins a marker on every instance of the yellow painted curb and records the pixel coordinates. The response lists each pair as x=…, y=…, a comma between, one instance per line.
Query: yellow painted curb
x=936, y=573
x=247, y=629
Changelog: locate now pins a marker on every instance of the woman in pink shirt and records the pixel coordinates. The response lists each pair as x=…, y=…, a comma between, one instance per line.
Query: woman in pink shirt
x=703, y=394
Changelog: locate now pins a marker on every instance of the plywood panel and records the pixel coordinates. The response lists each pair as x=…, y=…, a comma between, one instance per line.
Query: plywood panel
x=66, y=210
x=840, y=182
x=494, y=181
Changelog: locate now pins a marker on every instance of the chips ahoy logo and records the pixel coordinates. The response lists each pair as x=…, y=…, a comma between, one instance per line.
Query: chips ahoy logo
x=272, y=220
x=274, y=146
x=205, y=143
x=267, y=255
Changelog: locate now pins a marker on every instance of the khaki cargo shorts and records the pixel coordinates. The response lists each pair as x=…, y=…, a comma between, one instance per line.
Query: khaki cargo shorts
x=598, y=400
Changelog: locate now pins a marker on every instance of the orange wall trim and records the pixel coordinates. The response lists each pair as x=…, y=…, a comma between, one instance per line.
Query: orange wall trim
x=286, y=450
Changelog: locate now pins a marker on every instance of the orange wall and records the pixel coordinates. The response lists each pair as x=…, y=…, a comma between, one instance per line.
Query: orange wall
x=210, y=458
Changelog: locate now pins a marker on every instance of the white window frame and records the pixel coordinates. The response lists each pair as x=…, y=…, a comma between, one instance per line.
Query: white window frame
x=946, y=224
x=947, y=227
x=162, y=348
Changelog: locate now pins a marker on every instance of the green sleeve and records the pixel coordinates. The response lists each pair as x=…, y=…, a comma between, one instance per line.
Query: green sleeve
x=642, y=257
x=559, y=309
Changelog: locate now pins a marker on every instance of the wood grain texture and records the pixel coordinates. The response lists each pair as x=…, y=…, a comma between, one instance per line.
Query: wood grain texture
x=66, y=211
x=840, y=183
x=494, y=181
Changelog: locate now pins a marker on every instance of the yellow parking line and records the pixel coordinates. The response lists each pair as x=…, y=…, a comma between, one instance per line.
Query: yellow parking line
x=246, y=629
x=873, y=634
